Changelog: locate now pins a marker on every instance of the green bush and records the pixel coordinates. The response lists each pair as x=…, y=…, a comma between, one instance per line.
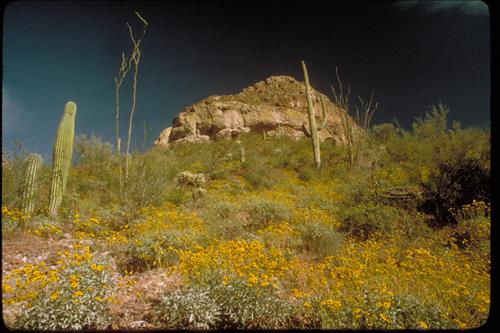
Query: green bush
x=60, y=307
x=222, y=220
x=12, y=175
x=262, y=211
x=221, y=306
x=190, y=307
x=453, y=185
x=366, y=220
x=94, y=175
x=245, y=307
x=146, y=251
x=150, y=175
x=321, y=238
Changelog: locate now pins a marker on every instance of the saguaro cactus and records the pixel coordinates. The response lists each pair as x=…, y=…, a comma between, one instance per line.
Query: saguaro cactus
x=29, y=185
x=61, y=156
x=323, y=112
x=312, y=120
x=242, y=151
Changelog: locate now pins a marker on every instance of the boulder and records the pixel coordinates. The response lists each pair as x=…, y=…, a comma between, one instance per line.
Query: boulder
x=276, y=106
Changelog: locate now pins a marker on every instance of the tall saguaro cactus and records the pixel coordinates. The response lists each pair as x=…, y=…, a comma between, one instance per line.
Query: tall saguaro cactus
x=29, y=185
x=312, y=120
x=61, y=156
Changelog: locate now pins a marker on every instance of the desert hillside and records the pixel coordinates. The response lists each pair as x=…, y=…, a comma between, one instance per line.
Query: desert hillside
x=247, y=232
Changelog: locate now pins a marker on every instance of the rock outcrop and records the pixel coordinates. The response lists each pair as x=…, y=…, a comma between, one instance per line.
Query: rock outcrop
x=276, y=106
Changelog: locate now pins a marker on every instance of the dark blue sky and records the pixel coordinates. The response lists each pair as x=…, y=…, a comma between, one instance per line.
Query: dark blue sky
x=412, y=53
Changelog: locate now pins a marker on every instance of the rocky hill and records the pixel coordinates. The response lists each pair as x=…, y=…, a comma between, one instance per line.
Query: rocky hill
x=276, y=106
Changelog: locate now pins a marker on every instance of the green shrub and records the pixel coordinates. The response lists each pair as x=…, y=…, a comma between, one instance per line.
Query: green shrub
x=245, y=307
x=258, y=175
x=178, y=196
x=13, y=175
x=262, y=211
x=190, y=307
x=221, y=306
x=13, y=222
x=149, y=176
x=222, y=220
x=95, y=174
x=384, y=133
x=453, y=185
x=366, y=220
x=78, y=299
x=146, y=251
x=321, y=238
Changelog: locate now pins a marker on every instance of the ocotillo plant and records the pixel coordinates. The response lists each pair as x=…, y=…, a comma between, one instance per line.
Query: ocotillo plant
x=61, y=157
x=29, y=185
x=312, y=119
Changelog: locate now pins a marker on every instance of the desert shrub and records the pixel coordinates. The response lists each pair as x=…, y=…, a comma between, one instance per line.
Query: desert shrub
x=191, y=307
x=366, y=220
x=280, y=235
x=356, y=188
x=224, y=209
x=149, y=178
x=246, y=307
x=322, y=239
x=384, y=133
x=402, y=312
x=298, y=156
x=227, y=229
x=12, y=174
x=94, y=175
x=473, y=228
x=262, y=211
x=258, y=175
x=243, y=277
x=13, y=221
x=150, y=250
x=92, y=151
x=46, y=227
x=453, y=185
x=234, y=260
x=232, y=305
x=452, y=166
x=177, y=196
x=74, y=295
x=222, y=220
x=318, y=230
x=215, y=156
x=433, y=124
x=154, y=239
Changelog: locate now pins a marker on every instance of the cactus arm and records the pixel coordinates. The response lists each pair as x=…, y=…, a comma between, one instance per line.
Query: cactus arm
x=312, y=119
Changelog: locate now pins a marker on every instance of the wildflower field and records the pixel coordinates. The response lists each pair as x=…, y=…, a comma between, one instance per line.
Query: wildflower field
x=271, y=242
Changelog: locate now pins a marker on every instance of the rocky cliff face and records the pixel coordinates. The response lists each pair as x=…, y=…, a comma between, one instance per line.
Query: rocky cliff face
x=276, y=106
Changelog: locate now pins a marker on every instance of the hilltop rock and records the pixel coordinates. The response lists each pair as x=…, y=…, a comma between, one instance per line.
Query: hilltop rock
x=276, y=106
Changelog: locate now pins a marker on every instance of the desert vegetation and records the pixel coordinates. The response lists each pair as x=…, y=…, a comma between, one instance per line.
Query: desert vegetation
x=397, y=237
